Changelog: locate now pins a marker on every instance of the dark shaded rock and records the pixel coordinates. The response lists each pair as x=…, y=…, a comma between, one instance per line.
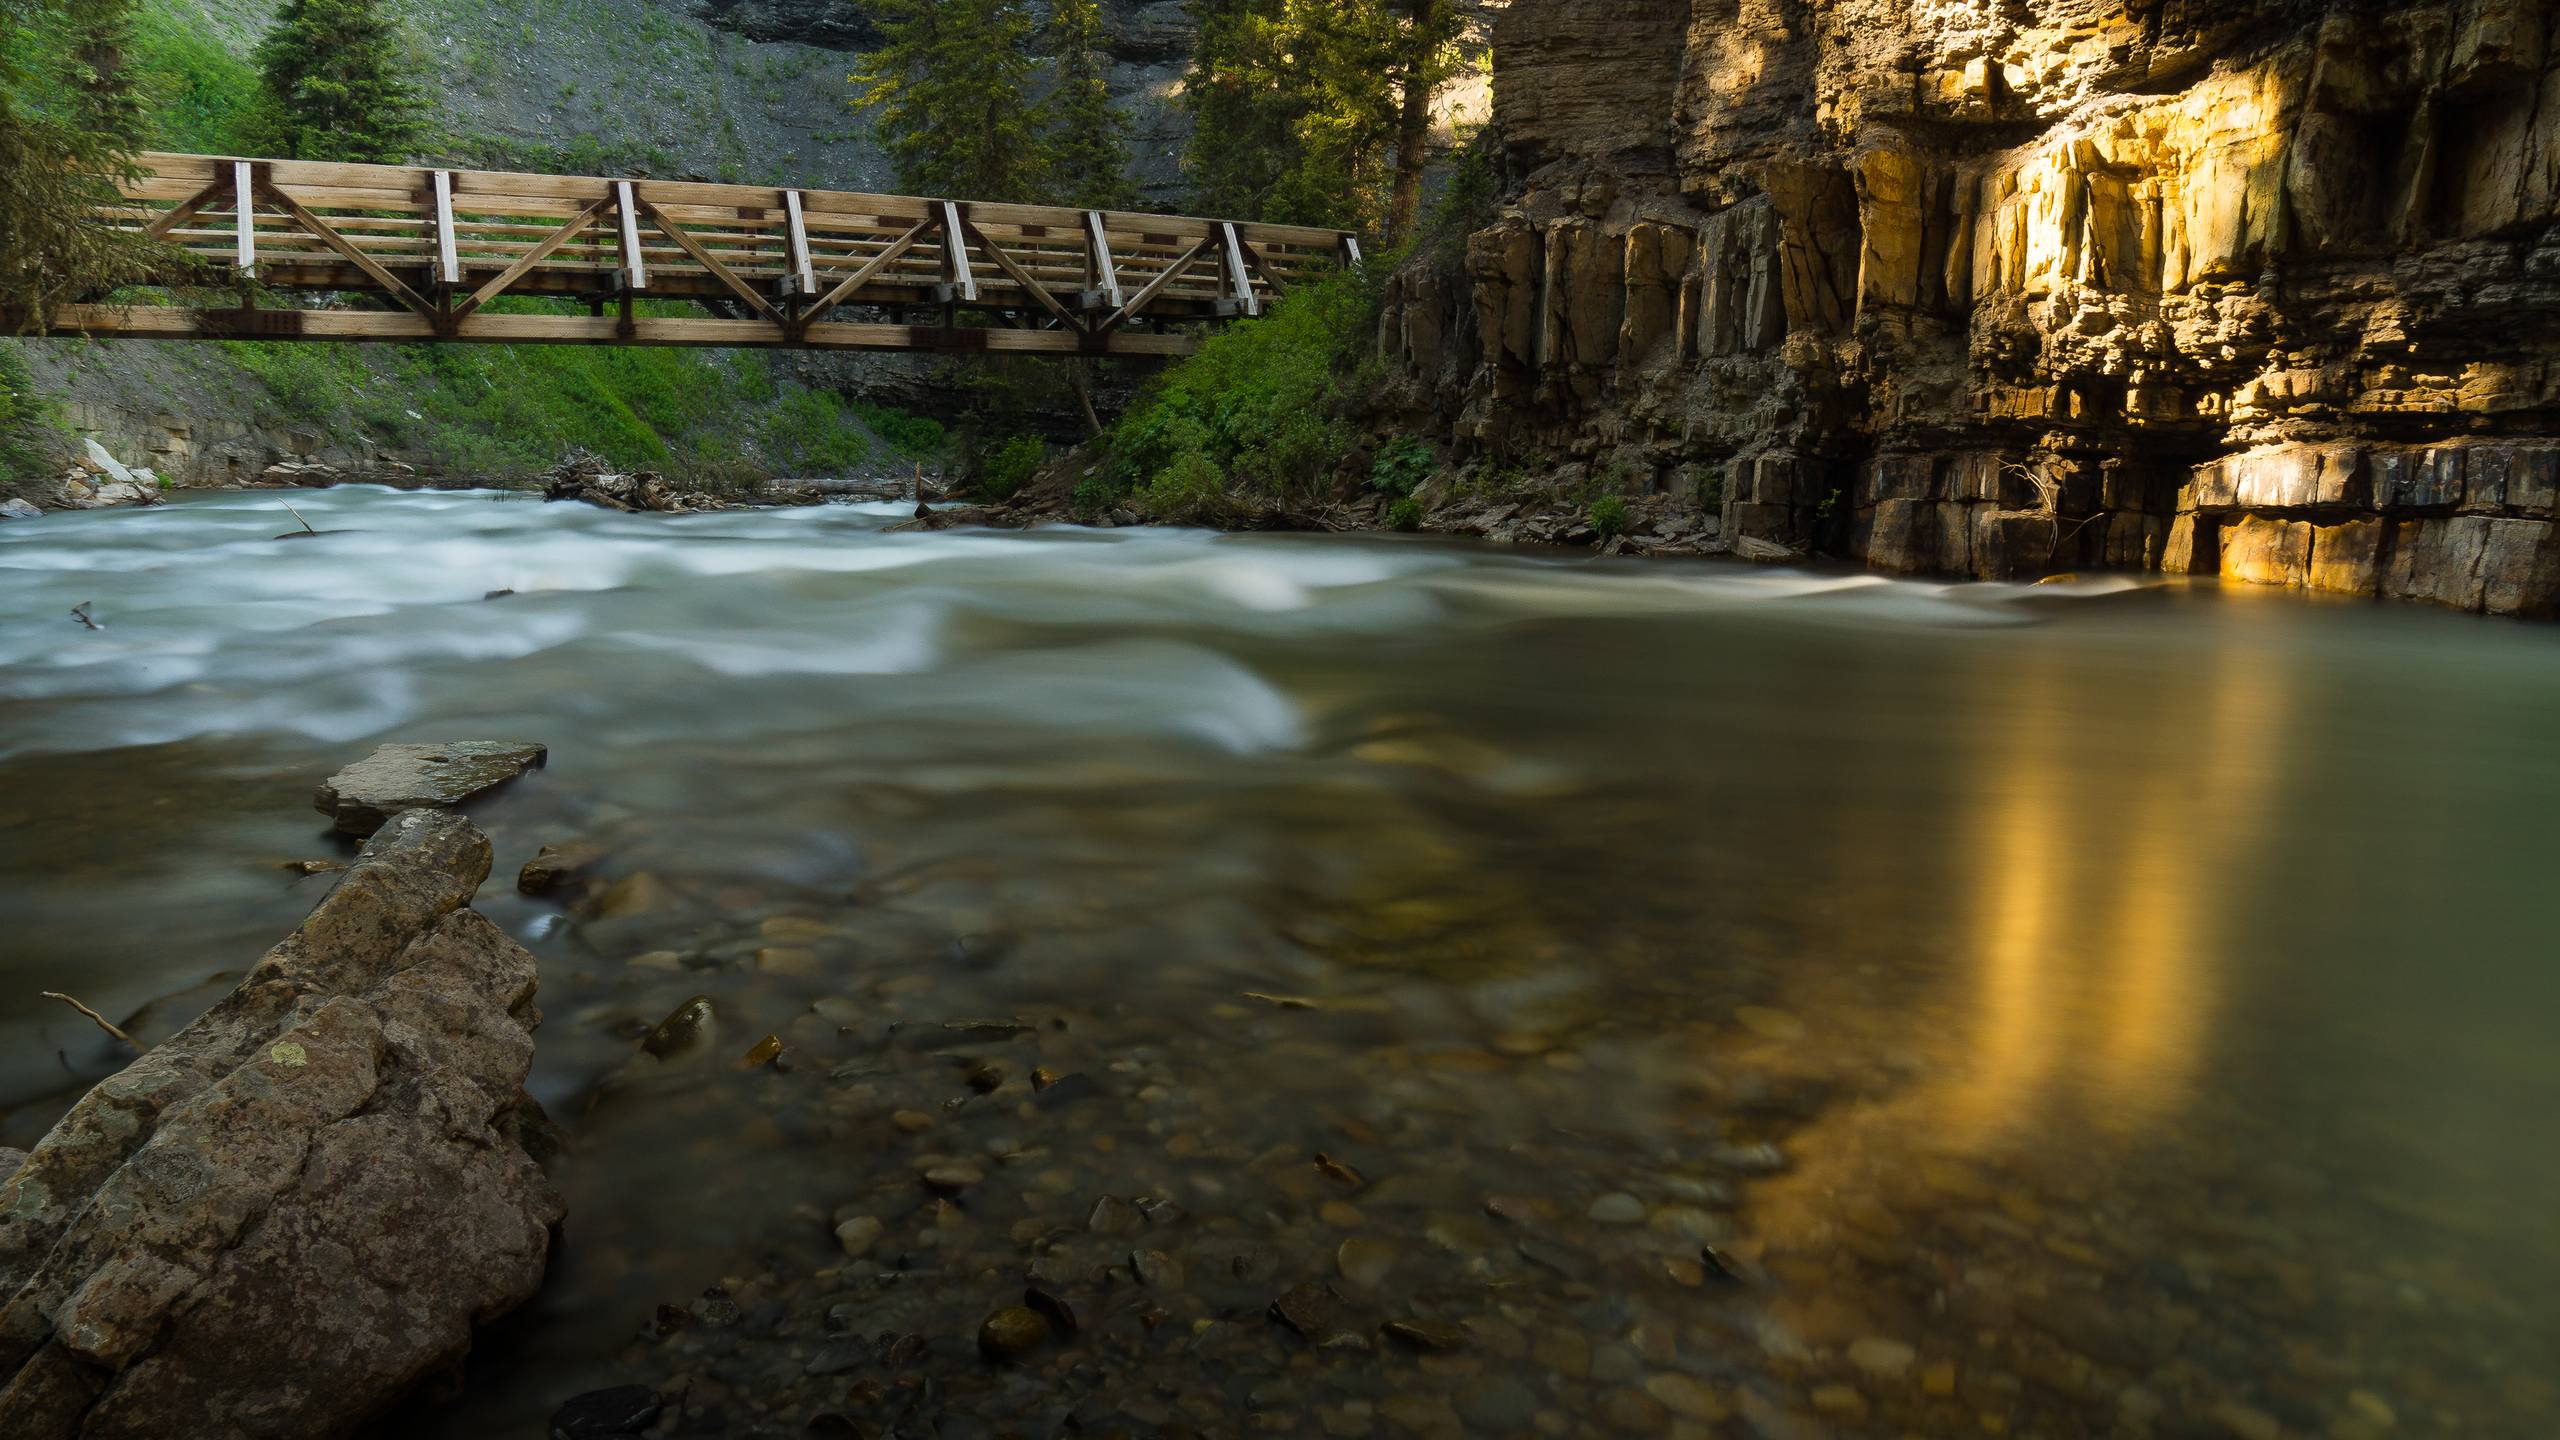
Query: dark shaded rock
x=1066, y=1090
x=1429, y=1335
x=282, y=1218
x=1315, y=1312
x=1010, y=1334
x=414, y=777
x=555, y=868
x=624, y=1410
x=684, y=1030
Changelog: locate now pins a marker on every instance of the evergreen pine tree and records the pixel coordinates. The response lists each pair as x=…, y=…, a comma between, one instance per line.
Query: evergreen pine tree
x=65, y=140
x=339, y=84
x=950, y=92
x=1316, y=112
x=1087, y=138
x=1243, y=104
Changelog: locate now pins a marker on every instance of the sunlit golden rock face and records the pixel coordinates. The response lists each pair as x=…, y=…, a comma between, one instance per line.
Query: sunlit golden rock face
x=2269, y=288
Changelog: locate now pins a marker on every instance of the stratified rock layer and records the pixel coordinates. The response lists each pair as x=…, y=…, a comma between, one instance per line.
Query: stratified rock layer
x=2268, y=288
x=394, y=778
x=281, y=1220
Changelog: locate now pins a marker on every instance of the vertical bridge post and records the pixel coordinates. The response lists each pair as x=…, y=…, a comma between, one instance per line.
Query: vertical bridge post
x=802, y=281
x=1100, y=267
x=244, y=203
x=448, y=254
x=635, y=266
x=1239, y=280
x=955, y=256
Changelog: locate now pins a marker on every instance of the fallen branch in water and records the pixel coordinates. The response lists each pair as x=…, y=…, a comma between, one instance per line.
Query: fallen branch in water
x=296, y=514
x=102, y=1021
x=80, y=612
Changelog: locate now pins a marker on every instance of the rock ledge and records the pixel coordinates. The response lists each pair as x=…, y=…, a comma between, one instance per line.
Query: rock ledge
x=282, y=1219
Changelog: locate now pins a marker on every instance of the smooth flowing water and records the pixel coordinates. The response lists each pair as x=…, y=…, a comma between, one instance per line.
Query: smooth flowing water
x=1724, y=1001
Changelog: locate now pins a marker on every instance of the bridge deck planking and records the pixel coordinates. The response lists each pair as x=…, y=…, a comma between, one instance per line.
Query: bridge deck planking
x=440, y=244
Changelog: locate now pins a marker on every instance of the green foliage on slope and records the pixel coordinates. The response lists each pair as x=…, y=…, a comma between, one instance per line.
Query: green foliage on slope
x=502, y=410
x=1258, y=413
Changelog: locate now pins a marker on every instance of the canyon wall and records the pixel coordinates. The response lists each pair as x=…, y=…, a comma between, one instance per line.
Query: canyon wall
x=2264, y=288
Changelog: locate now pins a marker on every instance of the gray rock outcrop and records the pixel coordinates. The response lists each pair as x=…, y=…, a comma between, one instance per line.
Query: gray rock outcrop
x=282, y=1219
x=394, y=778
x=17, y=509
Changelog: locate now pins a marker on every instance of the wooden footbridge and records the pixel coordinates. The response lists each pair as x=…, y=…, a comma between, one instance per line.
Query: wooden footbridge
x=423, y=254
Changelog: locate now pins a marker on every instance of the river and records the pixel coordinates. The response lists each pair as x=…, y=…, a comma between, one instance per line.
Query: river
x=1727, y=1001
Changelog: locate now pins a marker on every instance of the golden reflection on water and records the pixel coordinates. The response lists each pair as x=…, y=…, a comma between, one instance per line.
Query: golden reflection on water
x=2094, y=974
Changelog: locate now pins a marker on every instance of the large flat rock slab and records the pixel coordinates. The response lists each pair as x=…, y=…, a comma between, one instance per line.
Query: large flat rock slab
x=394, y=778
x=279, y=1221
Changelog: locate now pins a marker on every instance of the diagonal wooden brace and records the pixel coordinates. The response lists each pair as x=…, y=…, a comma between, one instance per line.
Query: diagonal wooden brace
x=710, y=262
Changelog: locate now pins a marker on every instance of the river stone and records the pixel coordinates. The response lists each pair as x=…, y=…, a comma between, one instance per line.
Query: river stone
x=1010, y=1334
x=14, y=508
x=415, y=777
x=282, y=1218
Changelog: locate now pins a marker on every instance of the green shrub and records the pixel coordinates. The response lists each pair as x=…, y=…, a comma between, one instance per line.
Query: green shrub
x=1259, y=401
x=1609, y=517
x=811, y=432
x=1010, y=467
x=1192, y=488
x=1403, y=465
x=914, y=436
x=1096, y=493
x=1405, y=515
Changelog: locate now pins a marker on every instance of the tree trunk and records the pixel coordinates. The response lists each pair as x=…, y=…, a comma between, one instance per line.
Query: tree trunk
x=1413, y=120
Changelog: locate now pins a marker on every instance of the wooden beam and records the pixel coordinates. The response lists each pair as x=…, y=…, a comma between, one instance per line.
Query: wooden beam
x=1271, y=276
x=635, y=266
x=804, y=276
x=1099, y=266
x=145, y=322
x=398, y=183
x=1020, y=276
x=845, y=289
x=1239, y=281
x=1138, y=302
x=955, y=256
x=372, y=268
x=530, y=259
x=245, y=207
x=708, y=261
x=448, y=254
x=185, y=211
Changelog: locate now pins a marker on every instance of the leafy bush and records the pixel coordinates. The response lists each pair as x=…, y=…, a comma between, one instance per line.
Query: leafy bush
x=1609, y=517
x=812, y=432
x=1403, y=465
x=1096, y=493
x=914, y=436
x=1010, y=467
x=1258, y=402
x=1192, y=488
x=1405, y=515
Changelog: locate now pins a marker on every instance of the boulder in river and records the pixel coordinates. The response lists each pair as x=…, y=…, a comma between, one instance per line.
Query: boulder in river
x=409, y=777
x=14, y=508
x=282, y=1219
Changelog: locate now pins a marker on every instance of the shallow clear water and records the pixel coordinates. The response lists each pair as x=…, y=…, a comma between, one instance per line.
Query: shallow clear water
x=2109, y=1009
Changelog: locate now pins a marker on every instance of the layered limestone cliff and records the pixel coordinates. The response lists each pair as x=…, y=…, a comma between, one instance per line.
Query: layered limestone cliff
x=2269, y=288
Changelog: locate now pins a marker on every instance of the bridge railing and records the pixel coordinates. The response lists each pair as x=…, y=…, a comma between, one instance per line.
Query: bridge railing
x=775, y=266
